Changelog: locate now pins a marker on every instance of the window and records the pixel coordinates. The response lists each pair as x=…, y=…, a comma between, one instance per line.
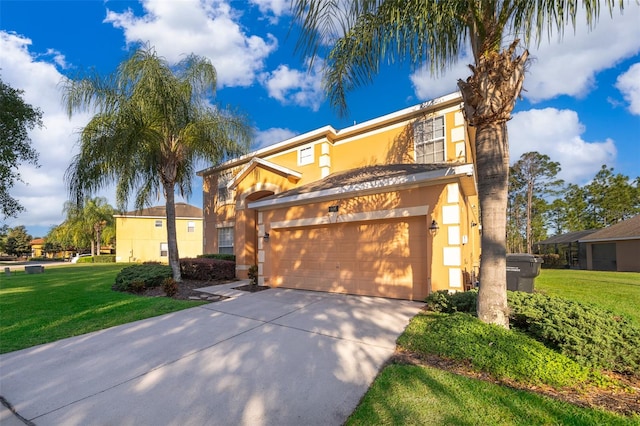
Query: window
x=428, y=136
x=158, y=224
x=225, y=240
x=305, y=155
x=191, y=226
x=224, y=194
x=164, y=249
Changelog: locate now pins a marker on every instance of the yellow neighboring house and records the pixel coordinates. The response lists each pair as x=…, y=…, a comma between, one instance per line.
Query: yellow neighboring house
x=141, y=235
x=387, y=207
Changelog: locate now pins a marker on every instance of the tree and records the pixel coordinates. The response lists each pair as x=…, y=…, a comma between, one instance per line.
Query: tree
x=373, y=31
x=16, y=119
x=18, y=242
x=533, y=177
x=154, y=124
x=85, y=225
x=612, y=198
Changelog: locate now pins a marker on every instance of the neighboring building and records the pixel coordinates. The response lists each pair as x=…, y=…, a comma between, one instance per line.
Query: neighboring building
x=37, y=246
x=615, y=248
x=350, y=210
x=573, y=253
x=141, y=235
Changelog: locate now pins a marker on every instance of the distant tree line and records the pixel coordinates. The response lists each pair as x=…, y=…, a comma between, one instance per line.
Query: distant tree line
x=541, y=205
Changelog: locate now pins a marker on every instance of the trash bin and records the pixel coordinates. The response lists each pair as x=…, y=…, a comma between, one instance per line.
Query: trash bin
x=522, y=270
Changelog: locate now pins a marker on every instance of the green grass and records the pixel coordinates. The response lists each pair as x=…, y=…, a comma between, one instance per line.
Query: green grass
x=67, y=301
x=412, y=395
x=415, y=395
x=618, y=292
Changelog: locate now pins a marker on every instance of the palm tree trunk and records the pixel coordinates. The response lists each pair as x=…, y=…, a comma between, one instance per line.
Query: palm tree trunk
x=172, y=240
x=493, y=177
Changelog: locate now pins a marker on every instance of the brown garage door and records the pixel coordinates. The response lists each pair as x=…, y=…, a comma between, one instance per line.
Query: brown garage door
x=376, y=258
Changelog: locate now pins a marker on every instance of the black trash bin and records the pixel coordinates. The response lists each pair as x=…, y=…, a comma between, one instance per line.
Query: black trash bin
x=522, y=270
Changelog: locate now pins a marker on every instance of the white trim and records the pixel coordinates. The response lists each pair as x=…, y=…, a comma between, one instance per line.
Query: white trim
x=364, y=188
x=227, y=224
x=267, y=164
x=353, y=217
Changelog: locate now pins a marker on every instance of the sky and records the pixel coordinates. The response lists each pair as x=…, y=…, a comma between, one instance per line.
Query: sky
x=580, y=104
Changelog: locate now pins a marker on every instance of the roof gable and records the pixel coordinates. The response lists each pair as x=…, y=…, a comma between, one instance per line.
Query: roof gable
x=259, y=162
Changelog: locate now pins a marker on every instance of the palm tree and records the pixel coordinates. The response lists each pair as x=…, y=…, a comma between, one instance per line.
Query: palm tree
x=364, y=33
x=153, y=126
x=85, y=224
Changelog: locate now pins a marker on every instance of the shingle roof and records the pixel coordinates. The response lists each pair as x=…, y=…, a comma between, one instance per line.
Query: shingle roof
x=569, y=237
x=625, y=230
x=362, y=175
x=182, y=210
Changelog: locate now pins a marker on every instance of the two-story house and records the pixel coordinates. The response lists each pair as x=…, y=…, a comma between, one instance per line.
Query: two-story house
x=387, y=207
x=141, y=235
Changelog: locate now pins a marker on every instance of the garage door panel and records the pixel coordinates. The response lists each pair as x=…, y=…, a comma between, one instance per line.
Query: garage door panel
x=378, y=258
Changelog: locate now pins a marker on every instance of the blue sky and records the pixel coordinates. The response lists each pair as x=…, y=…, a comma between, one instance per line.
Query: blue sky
x=581, y=105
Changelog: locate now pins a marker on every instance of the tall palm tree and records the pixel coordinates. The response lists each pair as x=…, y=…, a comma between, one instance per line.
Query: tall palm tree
x=364, y=33
x=153, y=126
x=86, y=223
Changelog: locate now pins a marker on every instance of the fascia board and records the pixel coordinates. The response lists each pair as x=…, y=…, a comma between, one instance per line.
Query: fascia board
x=267, y=164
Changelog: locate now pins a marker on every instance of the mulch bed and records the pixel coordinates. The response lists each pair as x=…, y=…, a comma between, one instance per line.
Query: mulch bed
x=186, y=289
x=625, y=401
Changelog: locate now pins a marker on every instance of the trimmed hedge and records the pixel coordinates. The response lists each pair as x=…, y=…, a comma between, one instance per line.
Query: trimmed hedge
x=105, y=258
x=85, y=259
x=592, y=336
x=220, y=256
x=207, y=269
x=136, y=278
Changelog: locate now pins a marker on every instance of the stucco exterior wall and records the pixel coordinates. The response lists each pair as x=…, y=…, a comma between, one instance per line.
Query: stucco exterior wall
x=628, y=256
x=139, y=240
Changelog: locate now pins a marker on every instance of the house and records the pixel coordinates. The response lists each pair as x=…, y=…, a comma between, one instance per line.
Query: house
x=615, y=248
x=37, y=247
x=141, y=235
x=387, y=207
x=573, y=252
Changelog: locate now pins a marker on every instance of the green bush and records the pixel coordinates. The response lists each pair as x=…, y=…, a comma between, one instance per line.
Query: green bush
x=552, y=261
x=589, y=335
x=207, y=269
x=85, y=259
x=220, y=256
x=253, y=274
x=105, y=258
x=592, y=336
x=149, y=275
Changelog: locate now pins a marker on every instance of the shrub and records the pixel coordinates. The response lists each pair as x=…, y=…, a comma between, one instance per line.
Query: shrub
x=105, y=258
x=170, y=287
x=220, y=256
x=207, y=269
x=148, y=275
x=85, y=259
x=137, y=286
x=592, y=336
x=552, y=261
x=253, y=274
x=443, y=301
x=589, y=335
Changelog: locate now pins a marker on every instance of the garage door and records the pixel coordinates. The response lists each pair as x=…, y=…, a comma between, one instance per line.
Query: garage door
x=376, y=258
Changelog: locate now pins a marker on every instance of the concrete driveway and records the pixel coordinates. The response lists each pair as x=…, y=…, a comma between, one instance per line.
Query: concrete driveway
x=276, y=357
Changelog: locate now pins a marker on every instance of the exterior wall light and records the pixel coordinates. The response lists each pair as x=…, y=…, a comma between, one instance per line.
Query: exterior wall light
x=266, y=237
x=473, y=224
x=433, y=228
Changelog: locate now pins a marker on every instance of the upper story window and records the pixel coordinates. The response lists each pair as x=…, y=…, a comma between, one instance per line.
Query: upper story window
x=225, y=195
x=305, y=155
x=191, y=226
x=428, y=137
x=158, y=223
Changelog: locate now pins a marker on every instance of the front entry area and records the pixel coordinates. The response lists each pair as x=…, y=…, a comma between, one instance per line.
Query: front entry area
x=385, y=258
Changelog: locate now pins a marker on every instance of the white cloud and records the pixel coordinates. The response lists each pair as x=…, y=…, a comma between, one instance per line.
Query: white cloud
x=629, y=85
x=274, y=9
x=294, y=87
x=557, y=133
x=44, y=193
x=569, y=66
x=271, y=136
x=207, y=28
x=426, y=86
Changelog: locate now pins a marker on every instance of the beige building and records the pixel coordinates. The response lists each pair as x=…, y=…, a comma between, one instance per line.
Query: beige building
x=616, y=248
x=386, y=208
x=141, y=235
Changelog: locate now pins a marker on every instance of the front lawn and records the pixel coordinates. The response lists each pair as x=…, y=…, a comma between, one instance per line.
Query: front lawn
x=67, y=301
x=516, y=370
x=616, y=291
